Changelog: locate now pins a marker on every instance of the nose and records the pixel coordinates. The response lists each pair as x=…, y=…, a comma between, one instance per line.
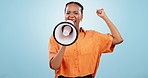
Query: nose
x=71, y=17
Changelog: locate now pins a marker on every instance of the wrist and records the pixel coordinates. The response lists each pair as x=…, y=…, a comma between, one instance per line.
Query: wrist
x=105, y=18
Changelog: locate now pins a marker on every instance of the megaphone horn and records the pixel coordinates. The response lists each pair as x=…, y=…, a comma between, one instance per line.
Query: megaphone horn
x=65, y=33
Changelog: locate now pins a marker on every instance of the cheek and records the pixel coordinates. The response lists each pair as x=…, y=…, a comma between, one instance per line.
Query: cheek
x=66, y=17
x=78, y=18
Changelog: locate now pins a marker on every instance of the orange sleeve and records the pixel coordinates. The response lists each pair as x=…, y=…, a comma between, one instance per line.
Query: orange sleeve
x=108, y=47
x=53, y=48
x=105, y=41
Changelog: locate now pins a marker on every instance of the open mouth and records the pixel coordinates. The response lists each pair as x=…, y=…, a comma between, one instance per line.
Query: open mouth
x=74, y=20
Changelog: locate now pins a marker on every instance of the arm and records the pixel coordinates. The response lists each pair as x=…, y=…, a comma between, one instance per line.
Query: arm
x=57, y=59
x=114, y=31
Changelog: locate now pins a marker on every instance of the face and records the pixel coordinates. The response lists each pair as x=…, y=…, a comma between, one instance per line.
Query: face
x=73, y=13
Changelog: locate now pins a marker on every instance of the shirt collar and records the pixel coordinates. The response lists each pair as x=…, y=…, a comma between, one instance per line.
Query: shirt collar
x=82, y=30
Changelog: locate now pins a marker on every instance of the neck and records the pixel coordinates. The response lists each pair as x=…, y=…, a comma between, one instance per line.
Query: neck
x=77, y=27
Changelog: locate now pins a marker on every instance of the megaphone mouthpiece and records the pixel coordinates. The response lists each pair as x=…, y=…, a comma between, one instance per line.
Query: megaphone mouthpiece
x=67, y=30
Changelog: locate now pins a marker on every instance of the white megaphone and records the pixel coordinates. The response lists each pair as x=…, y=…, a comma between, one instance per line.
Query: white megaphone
x=65, y=33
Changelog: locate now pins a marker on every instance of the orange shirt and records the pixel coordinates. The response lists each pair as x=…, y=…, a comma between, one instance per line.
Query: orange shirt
x=82, y=58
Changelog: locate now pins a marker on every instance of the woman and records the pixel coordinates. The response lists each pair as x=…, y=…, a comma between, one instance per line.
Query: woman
x=81, y=59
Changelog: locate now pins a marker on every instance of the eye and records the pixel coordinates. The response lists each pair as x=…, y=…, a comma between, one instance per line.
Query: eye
x=76, y=13
x=68, y=13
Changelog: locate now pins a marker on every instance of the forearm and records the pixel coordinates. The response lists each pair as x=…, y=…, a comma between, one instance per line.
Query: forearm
x=57, y=60
x=114, y=31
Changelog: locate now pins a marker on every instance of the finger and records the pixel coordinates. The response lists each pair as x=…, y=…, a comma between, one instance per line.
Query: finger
x=98, y=11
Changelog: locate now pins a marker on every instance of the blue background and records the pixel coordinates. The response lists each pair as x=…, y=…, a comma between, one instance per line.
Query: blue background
x=26, y=25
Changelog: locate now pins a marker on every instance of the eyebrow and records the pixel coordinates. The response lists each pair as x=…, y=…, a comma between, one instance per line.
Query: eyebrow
x=72, y=11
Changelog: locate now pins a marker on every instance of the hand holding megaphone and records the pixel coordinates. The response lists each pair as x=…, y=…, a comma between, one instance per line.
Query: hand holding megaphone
x=65, y=33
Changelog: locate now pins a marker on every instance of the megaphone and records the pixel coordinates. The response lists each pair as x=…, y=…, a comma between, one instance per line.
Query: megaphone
x=65, y=33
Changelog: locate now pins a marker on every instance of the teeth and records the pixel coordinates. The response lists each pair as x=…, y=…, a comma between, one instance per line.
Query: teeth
x=73, y=20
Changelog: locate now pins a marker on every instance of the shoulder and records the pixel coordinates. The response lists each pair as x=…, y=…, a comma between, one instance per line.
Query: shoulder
x=96, y=34
x=93, y=32
x=51, y=37
x=52, y=40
